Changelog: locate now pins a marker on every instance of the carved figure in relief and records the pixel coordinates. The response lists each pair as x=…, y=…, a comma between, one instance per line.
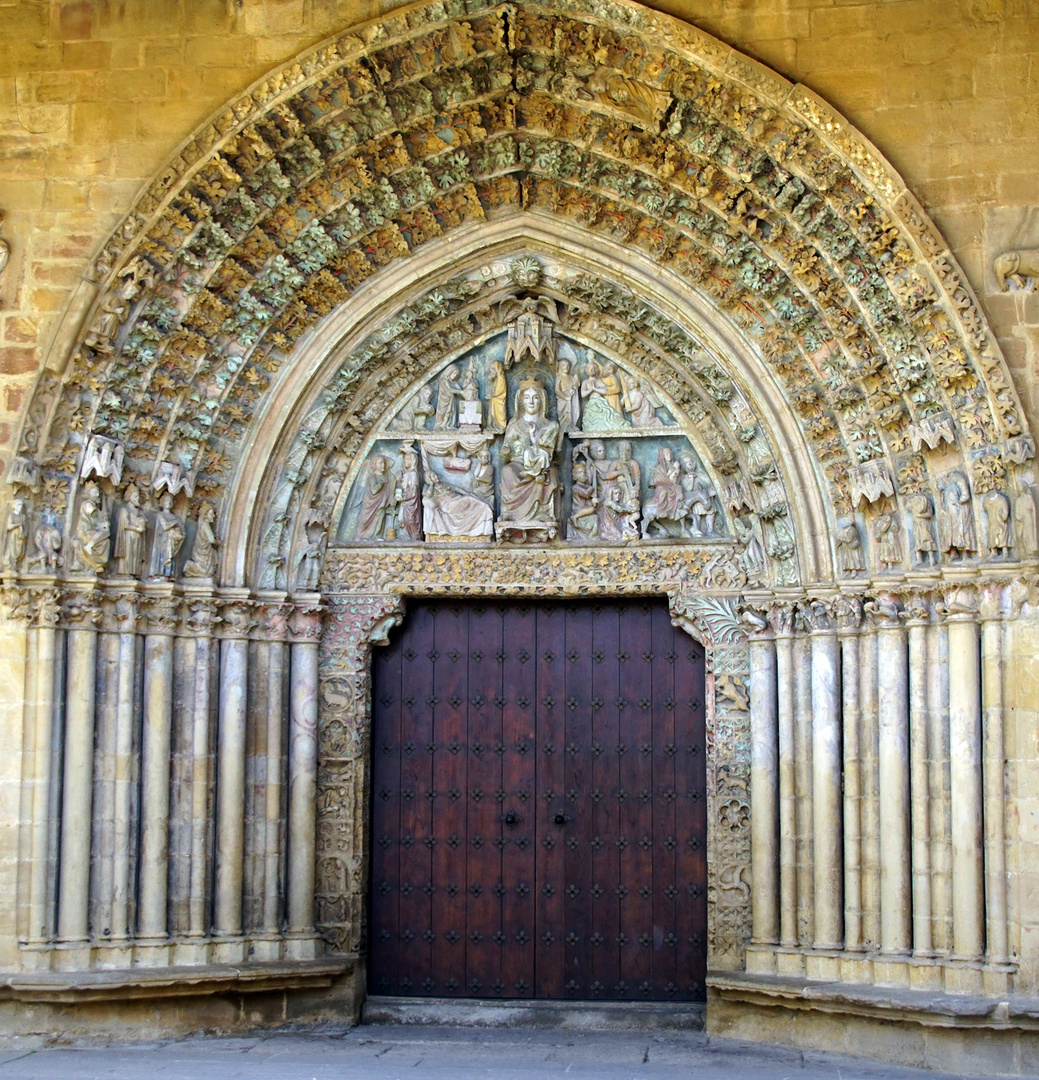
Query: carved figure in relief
x=596, y=412
x=618, y=514
x=1014, y=267
x=1026, y=519
x=375, y=521
x=16, y=535
x=408, y=496
x=483, y=476
x=470, y=408
x=849, y=548
x=629, y=468
x=131, y=524
x=697, y=497
x=449, y=390
x=666, y=503
x=47, y=540
x=613, y=388
x=202, y=563
x=529, y=482
x=583, y=523
x=308, y=566
x=925, y=539
x=451, y=514
x=497, y=393
x=887, y=531
x=999, y=533
x=169, y=537
x=568, y=397
x=960, y=535
x=748, y=532
x=92, y=543
x=640, y=404
x=416, y=413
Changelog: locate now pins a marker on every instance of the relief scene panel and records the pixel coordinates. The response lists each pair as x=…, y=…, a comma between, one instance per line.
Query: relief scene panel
x=531, y=437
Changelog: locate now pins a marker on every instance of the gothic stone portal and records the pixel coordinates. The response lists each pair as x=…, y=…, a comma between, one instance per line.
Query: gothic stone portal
x=539, y=817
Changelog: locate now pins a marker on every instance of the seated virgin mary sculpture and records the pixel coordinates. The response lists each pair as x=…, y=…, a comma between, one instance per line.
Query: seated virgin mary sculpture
x=529, y=482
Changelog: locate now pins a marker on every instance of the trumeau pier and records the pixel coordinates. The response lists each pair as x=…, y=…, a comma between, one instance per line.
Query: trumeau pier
x=527, y=302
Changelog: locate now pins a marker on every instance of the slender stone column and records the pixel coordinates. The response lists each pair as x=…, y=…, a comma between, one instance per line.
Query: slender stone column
x=968, y=895
x=83, y=612
x=893, y=709
x=161, y=609
x=277, y=671
x=919, y=613
x=764, y=785
x=827, y=839
x=869, y=781
x=803, y=784
x=104, y=778
x=200, y=623
x=39, y=771
x=782, y=619
x=849, y=619
x=995, y=764
x=938, y=747
x=306, y=630
x=230, y=784
x=122, y=836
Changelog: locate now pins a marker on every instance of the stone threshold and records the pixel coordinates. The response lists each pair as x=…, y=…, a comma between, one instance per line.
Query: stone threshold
x=925, y=1007
x=571, y=1015
x=120, y=984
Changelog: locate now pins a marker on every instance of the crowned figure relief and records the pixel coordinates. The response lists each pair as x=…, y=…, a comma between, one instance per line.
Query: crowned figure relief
x=529, y=483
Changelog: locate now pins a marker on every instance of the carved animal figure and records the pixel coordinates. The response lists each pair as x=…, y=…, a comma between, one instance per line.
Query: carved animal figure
x=1015, y=266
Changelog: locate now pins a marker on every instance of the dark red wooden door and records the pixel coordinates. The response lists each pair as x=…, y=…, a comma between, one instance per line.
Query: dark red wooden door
x=538, y=804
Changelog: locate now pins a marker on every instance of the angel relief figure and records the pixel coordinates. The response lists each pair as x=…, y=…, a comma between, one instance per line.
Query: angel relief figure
x=601, y=398
x=641, y=403
x=529, y=481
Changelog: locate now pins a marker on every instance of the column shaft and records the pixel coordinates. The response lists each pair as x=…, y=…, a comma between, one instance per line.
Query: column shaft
x=826, y=792
x=852, y=790
x=938, y=819
x=200, y=770
x=893, y=710
x=230, y=791
x=787, y=792
x=920, y=786
x=104, y=802
x=995, y=811
x=274, y=792
x=869, y=788
x=40, y=777
x=155, y=784
x=303, y=787
x=77, y=787
x=764, y=791
x=968, y=904
x=123, y=782
x=803, y=784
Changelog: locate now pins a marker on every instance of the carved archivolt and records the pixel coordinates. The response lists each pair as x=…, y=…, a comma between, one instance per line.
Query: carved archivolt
x=749, y=192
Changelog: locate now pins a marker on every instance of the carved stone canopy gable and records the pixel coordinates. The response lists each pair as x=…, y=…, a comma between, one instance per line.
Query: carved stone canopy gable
x=799, y=296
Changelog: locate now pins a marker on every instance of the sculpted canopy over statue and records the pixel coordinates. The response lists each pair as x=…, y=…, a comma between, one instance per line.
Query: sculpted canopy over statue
x=529, y=483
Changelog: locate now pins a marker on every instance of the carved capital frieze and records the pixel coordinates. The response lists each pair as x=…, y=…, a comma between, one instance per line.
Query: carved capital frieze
x=305, y=625
x=161, y=612
x=238, y=618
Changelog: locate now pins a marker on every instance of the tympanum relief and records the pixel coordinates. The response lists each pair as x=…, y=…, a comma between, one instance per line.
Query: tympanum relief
x=533, y=438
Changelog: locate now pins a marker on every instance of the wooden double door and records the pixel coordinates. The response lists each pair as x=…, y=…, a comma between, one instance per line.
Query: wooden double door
x=538, y=804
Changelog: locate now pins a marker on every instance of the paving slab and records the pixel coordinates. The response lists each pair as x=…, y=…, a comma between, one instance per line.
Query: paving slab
x=393, y=1052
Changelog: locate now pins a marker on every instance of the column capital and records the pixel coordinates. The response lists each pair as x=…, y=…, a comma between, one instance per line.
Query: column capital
x=783, y=617
x=161, y=613
x=960, y=602
x=818, y=614
x=756, y=622
x=847, y=610
x=306, y=624
x=238, y=617
x=82, y=608
x=918, y=608
x=886, y=610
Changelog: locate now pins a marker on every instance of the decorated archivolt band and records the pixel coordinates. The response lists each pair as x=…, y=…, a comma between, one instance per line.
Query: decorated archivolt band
x=610, y=118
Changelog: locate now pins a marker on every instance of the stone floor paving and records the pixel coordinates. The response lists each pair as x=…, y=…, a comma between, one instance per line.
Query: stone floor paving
x=444, y=1053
